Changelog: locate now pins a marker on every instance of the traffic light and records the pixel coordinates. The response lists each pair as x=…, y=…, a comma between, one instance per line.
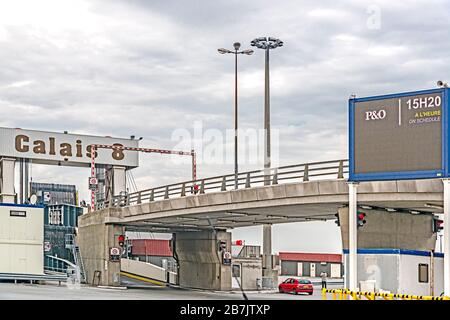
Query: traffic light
x=338, y=222
x=438, y=225
x=361, y=218
x=121, y=239
x=222, y=245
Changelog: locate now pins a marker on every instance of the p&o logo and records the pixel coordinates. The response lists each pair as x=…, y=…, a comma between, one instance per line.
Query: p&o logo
x=375, y=115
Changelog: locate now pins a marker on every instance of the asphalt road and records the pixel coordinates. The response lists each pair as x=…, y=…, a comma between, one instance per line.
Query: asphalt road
x=10, y=291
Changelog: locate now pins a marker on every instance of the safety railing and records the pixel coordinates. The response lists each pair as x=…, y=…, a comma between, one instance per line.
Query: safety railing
x=57, y=265
x=334, y=169
x=344, y=294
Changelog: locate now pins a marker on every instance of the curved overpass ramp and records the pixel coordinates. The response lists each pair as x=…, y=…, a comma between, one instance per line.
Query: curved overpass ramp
x=282, y=203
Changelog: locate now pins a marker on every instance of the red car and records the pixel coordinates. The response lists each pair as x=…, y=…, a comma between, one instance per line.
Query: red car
x=296, y=286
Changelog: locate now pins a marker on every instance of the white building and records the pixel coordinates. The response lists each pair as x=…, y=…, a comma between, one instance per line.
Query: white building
x=21, y=239
x=399, y=271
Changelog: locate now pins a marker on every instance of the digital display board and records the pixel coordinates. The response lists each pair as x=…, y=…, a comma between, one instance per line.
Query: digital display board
x=399, y=136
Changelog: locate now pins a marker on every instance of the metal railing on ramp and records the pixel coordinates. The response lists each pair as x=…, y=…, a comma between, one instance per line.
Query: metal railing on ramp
x=333, y=169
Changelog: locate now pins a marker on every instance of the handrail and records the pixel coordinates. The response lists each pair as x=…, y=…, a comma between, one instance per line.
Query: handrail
x=57, y=264
x=336, y=169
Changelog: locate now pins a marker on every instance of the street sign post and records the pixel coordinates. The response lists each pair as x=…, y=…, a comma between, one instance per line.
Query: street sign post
x=114, y=254
x=93, y=183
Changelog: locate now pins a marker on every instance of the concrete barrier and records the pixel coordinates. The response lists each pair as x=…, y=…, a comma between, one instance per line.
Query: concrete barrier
x=344, y=294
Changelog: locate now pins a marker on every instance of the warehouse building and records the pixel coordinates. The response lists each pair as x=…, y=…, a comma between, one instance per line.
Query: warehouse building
x=52, y=193
x=311, y=264
x=154, y=251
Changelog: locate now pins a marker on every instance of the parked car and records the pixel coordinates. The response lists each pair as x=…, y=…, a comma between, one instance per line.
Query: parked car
x=296, y=286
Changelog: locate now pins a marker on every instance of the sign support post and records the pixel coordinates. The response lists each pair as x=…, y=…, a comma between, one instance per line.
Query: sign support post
x=353, y=236
x=446, y=236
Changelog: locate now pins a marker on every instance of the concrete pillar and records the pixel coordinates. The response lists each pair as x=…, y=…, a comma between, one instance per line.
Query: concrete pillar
x=95, y=239
x=267, y=247
x=268, y=264
x=119, y=180
x=7, y=192
x=200, y=260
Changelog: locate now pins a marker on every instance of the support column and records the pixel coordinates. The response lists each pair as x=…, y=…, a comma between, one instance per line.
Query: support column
x=268, y=270
x=7, y=192
x=446, y=236
x=95, y=239
x=353, y=236
x=201, y=259
x=119, y=180
x=267, y=247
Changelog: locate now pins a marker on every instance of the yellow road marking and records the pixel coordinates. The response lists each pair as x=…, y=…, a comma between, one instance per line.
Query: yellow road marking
x=133, y=276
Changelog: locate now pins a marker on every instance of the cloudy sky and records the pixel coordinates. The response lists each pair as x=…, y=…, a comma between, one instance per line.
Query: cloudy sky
x=151, y=68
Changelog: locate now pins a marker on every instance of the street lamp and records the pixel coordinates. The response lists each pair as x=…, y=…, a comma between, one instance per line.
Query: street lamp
x=236, y=51
x=267, y=44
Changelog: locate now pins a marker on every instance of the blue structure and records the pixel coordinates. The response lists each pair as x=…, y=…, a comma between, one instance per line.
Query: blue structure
x=408, y=125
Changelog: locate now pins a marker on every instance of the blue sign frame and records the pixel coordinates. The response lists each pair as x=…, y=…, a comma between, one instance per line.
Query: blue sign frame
x=402, y=175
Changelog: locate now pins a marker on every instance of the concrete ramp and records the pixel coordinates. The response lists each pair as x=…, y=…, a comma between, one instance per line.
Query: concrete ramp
x=141, y=273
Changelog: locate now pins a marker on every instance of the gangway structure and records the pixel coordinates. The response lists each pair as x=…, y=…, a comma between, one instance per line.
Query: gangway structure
x=121, y=148
x=71, y=245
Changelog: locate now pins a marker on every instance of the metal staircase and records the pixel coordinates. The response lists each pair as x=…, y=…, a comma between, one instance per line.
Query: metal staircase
x=78, y=259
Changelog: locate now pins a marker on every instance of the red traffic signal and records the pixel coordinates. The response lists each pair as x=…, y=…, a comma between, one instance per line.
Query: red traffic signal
x=438, y=225
x=121, y=240
x=361, y=218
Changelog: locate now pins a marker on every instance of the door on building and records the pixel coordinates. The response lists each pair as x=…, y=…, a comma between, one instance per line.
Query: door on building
x=237, y=276
x=300, y=269
x=335, y=270
x=312, y=270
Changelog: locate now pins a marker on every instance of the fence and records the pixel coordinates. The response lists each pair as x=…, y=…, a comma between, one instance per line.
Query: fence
x=344, y=294
x=334, y=169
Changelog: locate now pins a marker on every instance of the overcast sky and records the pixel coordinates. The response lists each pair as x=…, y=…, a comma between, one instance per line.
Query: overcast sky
x=150, y=68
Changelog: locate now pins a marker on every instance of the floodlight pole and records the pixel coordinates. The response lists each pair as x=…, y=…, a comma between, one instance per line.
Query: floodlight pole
x=267, y=160
x=236, y=51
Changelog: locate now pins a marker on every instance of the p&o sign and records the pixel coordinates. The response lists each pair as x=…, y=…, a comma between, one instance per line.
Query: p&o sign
x=399, y=136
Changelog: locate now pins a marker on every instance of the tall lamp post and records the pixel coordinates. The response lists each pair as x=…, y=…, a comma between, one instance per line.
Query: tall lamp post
x=267, y=44
x=236, y=51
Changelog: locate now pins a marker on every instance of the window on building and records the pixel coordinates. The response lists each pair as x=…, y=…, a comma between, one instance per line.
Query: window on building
x=55, y=216
x=423, y=272
x=16, y=213
x=236, y=271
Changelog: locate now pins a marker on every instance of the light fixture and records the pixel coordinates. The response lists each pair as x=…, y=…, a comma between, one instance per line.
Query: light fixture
x=434, y=206
x=442, y=84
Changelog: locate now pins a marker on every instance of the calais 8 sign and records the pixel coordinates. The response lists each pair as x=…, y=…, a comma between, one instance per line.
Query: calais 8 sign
x=61, y=148
x=399, y=136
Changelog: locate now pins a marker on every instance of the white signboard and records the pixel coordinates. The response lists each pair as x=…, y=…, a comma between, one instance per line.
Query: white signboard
x=47, y=246
x=114, y=251
x=47, y=196
x=65, y=149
